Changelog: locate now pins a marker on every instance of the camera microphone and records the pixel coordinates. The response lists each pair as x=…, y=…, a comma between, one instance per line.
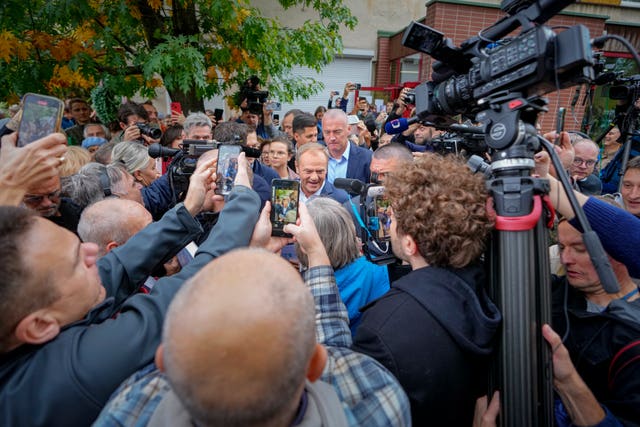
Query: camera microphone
x=351, y=186
x=397, y=126
x=156, y=150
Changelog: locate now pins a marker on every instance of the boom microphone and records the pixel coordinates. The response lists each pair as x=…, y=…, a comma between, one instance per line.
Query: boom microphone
x=351, y=186
x=156, y=150
x=397, y=126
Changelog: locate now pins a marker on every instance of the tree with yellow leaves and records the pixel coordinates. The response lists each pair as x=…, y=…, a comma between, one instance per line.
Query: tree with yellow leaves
x=195, y=48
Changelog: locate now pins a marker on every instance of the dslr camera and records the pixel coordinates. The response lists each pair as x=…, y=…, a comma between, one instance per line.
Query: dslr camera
x=151, y=132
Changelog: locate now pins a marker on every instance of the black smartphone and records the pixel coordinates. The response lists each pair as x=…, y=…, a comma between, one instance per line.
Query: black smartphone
x=41, y=116
x=276, y=116
x=217, y=113
x=284, y=204
x=227, y=168
x=358, y=86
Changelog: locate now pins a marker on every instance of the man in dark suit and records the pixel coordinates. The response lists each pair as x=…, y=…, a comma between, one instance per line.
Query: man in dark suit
x=312, y=162
x=346, y=160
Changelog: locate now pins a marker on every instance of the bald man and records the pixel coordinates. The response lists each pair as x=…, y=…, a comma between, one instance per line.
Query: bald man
x=109, y=223
x=239, y=348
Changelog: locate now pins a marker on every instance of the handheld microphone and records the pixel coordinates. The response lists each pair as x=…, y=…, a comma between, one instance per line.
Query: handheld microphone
x=156, y=150
x=351, y=186
x=397, y=126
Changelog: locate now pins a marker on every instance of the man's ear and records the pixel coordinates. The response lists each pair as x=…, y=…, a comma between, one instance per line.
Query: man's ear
x=111, y=246
x=408, y=245
x=137, y=175
x=37, y=328
x=317, y=363
x=159, y=358
x=123, y=126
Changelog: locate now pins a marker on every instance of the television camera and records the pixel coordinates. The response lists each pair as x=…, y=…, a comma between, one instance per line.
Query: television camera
x=499, y=82
x=185, y=158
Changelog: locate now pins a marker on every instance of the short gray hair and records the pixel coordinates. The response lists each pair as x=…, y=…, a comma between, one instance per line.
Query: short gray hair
x=82, y=189
x=311, y=146
x=336, y=230
x=196, y=120
x=133, y=155
x=104, y=128
x=393, y=150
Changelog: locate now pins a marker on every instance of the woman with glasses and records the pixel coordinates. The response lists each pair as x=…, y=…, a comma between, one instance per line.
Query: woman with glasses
x=280, y=152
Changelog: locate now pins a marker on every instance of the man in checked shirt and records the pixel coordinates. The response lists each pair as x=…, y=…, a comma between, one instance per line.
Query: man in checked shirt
x=244, y=346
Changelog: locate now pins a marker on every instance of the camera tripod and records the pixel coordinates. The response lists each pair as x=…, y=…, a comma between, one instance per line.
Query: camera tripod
x=518, y=262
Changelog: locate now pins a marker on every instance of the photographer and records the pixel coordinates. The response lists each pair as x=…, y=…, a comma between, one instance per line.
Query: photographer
x=434, y=330
x=255, y=109
x=134, y=122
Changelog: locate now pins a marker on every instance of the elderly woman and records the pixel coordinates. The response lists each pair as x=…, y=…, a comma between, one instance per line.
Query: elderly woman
x=135, y=158
x=358, y=280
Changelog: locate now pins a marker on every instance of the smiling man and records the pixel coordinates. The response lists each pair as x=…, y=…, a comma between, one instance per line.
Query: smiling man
x=630, y=190
x=312, y=160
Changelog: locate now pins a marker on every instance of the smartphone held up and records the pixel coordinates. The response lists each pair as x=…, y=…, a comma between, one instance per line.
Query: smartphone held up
x=284, y=205
x=227, y=168
x=41, y=116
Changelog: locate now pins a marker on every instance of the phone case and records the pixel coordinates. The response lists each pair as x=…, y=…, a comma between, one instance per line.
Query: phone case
x=284, y=205
x=41, y=116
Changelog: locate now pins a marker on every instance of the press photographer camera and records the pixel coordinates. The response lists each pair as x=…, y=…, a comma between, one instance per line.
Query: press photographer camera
x=151, y=132
x=184, y=160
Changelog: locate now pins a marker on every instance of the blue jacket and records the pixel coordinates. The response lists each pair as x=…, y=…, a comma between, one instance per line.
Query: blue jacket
x=359, y=163
x=67, y=381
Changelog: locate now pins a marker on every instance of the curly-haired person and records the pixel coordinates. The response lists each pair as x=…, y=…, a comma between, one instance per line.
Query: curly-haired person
x=434, y=330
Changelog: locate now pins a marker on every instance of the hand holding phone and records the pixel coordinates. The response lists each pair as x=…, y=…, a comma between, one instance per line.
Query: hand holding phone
x=41, y=116
x=285, y=195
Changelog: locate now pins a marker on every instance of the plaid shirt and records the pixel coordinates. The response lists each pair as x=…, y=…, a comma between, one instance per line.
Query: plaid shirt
x=370, y=395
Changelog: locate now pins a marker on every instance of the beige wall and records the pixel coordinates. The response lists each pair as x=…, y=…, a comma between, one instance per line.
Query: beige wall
x=373, y=16
x=395, y=15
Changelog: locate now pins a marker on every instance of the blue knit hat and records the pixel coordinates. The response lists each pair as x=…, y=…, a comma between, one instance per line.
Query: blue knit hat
x=93, y=140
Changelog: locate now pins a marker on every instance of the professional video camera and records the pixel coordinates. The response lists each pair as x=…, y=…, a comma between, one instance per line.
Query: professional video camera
x=255, y=97
x=459, y=143
x=371, y=211
x=184, y=160
x=535, y=62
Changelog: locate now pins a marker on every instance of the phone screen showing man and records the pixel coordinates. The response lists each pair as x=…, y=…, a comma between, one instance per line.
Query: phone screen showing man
x=284, y=204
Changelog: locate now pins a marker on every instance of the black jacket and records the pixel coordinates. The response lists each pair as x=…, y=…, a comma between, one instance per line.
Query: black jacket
x=434, y=330
x=67, y=381
x=595, y=340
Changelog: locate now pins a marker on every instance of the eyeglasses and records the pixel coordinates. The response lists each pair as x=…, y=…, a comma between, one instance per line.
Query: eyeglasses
x=588, y=163
x=36, y=200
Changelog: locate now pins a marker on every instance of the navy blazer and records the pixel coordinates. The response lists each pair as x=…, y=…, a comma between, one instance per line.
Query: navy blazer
x=336, y=194
x=359, y=163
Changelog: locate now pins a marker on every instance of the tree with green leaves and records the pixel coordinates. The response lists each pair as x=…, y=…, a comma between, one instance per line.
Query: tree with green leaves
x=195, y=48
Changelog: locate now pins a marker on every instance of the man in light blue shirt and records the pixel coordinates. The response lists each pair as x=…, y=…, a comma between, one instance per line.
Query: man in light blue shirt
x=346, y=160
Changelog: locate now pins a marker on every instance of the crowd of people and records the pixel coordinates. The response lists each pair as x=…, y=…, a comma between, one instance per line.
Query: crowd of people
x=135, y=293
